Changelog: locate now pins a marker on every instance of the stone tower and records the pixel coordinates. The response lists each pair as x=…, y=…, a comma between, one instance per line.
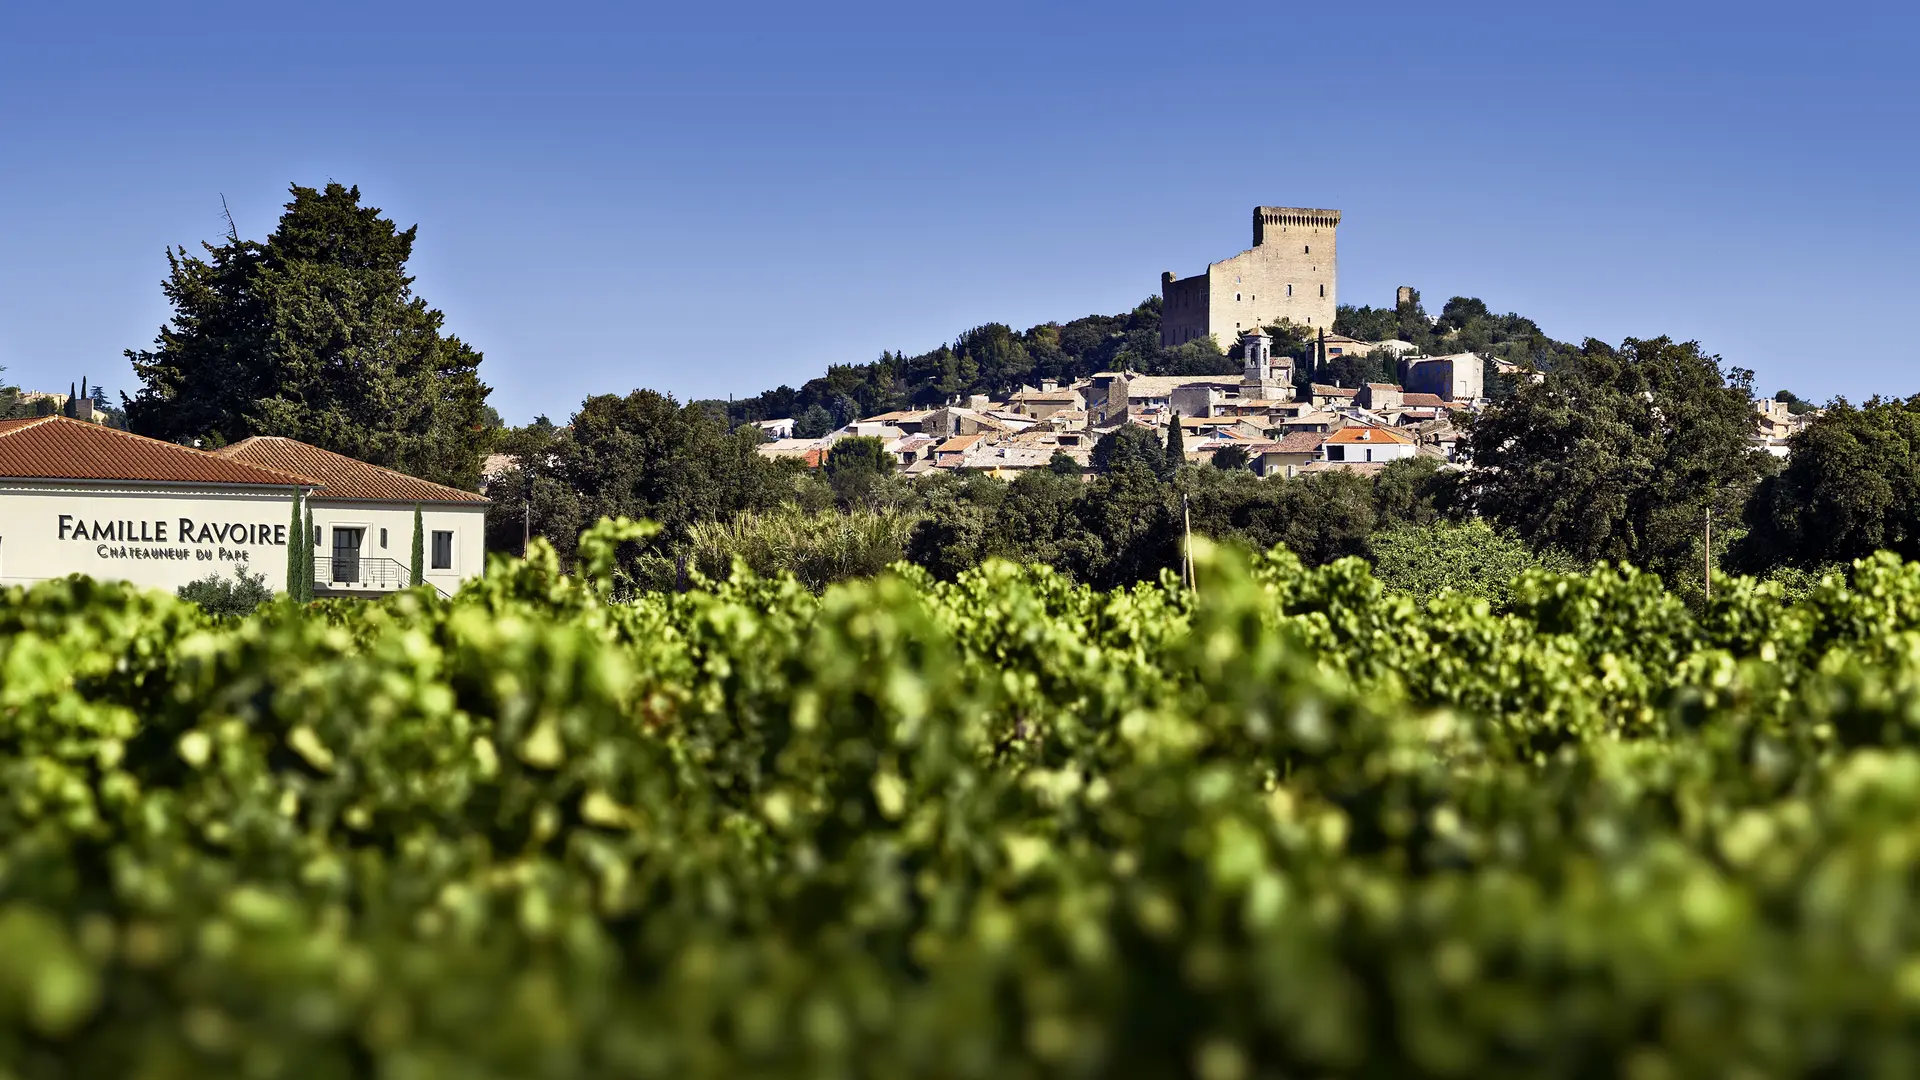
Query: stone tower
x=1289, y=275
x=1262, y=375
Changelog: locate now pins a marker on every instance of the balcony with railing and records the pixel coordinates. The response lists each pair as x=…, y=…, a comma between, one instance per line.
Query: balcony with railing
x=358, y=575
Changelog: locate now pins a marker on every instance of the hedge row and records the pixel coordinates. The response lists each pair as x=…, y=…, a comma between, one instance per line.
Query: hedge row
x=1007, y=827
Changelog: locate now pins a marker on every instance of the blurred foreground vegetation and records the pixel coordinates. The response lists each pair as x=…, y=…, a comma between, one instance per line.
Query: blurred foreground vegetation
x=1291, y=824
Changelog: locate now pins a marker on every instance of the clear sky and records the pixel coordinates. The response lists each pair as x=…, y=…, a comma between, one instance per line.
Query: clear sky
x=717, y=198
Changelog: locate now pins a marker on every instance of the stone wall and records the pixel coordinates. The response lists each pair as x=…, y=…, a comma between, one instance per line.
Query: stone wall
x=1183, y=309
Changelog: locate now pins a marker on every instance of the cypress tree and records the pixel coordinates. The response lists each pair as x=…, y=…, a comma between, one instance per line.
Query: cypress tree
x=418, y=574
x=306, y=545
x=296, y=564
x=1176, y=445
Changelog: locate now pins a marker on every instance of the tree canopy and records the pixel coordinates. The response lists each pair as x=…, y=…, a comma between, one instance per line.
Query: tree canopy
x=1130, y=446
x=992, y=358
x=1465, y=324
x=1231, y=456
x=1850, y=487
x=314, y=334
x=1618, y=454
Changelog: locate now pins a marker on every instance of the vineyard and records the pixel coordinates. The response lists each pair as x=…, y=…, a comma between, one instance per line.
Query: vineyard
x=1289, y=825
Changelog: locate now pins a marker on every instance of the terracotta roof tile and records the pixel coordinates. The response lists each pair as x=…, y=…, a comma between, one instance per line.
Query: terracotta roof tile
x=59, y=448
x=341, y=477
x=1298, y=442
x=1368, y=434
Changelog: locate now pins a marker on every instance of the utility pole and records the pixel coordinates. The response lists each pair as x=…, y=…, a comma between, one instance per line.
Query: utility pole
x=1709, y=546
x=1186, y=546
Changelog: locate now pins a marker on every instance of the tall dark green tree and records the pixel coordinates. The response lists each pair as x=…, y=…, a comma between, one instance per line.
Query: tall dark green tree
x=855, y=468
x=647, y=456
x=813, y=423
x=1618, y=454
x=1850, y=488
x=296, y=563
x=1176, y=443
x=1129, y=446
x=1000, y=359
x=1231, y=456
x=308, y=541
x=530, y=498
x=315, y=334
x=417, y=558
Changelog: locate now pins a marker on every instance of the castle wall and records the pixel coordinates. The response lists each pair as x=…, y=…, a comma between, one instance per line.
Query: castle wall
x=1287, y=276
x=1183, y=309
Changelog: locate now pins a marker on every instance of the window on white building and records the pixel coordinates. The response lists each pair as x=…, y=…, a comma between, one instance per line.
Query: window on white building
x=442, y=550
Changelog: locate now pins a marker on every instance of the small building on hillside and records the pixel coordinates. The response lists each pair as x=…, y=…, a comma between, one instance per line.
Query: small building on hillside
x=80, y=498
x=1377, y=396
x=1287, y=453
x=1321, y=396
x=1046, y=401
x=1364, y=444
x=1457, y=378
x=1338, y=345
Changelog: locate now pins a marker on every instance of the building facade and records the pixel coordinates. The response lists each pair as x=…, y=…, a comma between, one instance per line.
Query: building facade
x=1457, y=378
x=1367, y=444
x=1289, y=275
x=363, y=520
x=80, y=498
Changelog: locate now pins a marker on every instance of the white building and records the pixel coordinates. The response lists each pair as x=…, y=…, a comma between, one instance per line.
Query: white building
x=1367, y=444
x=363, y=519
x=80, y=498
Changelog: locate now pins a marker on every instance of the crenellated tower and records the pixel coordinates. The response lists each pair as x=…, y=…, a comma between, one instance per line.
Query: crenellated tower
x=1290, y=275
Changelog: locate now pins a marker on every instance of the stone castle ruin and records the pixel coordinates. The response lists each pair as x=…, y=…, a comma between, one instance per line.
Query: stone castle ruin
x=1289, y=275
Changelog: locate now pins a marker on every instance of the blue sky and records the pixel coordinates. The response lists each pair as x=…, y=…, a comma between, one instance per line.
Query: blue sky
x=710, y=199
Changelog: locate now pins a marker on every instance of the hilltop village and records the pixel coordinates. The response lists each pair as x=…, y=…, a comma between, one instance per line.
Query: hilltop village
x=1261, y=417
x=1271, y=417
